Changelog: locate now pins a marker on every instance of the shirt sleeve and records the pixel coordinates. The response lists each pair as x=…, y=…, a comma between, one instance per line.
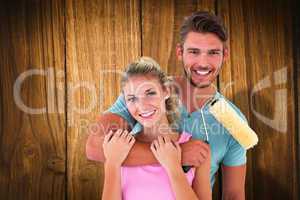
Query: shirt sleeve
x=235, y=155
x=119, y=108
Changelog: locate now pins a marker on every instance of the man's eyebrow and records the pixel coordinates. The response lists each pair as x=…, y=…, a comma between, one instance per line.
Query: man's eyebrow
x=215, y=50
x=129, y=95
x=193, y=48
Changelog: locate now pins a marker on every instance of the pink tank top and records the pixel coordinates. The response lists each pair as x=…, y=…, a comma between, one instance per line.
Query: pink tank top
x=150, y=181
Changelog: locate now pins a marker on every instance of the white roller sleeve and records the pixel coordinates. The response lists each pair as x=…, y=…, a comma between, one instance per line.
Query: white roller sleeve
x=236, y=126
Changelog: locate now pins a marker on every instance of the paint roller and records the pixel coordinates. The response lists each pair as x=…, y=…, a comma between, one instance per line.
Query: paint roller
x=231, y=121
x=235, y=125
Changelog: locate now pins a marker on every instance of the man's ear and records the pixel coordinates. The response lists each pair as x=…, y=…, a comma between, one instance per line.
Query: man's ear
x=179, y=51
x=225, y=53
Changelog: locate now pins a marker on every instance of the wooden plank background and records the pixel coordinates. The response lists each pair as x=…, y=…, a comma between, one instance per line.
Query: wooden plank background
x=78, y=48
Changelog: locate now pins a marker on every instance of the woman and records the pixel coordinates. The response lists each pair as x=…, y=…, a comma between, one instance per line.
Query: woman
x=152, y=102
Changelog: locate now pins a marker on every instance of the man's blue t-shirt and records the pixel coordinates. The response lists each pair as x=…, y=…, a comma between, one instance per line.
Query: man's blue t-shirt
x=224, y=148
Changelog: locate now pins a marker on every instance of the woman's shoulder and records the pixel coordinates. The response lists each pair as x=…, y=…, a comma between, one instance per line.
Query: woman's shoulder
x=184, y=137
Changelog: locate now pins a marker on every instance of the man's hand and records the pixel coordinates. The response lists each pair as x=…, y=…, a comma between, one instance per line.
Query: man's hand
x=194, y=152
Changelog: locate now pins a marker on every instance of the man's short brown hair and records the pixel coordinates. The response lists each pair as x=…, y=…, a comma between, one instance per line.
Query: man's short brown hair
x=203, y=22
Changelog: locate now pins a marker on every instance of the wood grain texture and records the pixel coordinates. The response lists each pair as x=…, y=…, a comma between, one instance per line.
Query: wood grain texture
x=32, y=161
x=79, y=48
x=160, y=31
x=233, y=76
x=102, y=38
x=296, y=56
x=261, y=49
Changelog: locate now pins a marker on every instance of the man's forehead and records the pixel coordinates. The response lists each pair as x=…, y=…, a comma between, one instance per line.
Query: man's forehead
x=202, y=41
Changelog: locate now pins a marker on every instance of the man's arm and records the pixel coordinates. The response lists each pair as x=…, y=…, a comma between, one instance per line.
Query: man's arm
x=194, y=152
x=233, y=179
x=140, y=153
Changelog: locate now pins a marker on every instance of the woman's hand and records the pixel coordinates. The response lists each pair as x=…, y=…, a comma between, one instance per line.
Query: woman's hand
x=167, y=152
x=116, y=146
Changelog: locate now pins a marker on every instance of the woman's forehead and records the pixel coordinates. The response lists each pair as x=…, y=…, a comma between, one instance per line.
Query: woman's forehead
x=140, y=83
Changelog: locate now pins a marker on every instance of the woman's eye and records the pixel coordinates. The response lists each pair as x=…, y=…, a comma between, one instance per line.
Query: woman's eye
x=132, y=99
x=151, y=93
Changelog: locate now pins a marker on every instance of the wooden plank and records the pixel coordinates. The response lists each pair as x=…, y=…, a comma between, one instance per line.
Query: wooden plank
x=32, y=160
x=160, y=31
x=233, y=76
x=296, y=45
x=102, y=37
x=261, y=50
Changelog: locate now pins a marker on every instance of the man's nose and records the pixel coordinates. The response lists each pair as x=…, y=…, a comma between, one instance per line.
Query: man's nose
x=202, y=59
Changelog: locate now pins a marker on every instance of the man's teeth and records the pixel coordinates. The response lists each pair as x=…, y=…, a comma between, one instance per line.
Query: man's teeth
x=147, y=114
x=202, y=72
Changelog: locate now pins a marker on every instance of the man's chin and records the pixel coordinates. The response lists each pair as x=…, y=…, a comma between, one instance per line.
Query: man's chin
x=201, y=84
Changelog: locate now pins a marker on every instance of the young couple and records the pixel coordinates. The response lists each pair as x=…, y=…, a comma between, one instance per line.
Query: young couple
x=148, y=165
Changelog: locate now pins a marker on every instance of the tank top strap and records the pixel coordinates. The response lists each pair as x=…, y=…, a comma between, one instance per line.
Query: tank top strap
x=184, y=137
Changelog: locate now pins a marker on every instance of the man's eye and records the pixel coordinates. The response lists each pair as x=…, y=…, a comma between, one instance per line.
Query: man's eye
x=193, y=52
x=214, y=52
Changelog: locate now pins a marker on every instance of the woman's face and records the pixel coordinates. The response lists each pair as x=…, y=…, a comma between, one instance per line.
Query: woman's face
x=145, y=99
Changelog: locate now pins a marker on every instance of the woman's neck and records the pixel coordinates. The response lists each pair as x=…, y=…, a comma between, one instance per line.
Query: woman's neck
x=162, y=128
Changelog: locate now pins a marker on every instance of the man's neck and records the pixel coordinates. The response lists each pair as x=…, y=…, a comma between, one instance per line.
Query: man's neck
x=192, y=97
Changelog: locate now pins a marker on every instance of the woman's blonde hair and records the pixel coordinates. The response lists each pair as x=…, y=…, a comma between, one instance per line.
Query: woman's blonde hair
x=148, y=66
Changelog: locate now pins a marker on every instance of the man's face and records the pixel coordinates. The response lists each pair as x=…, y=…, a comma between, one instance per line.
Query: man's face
x=202, y=55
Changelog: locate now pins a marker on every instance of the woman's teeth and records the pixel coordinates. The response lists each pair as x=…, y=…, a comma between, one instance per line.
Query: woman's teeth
x=147, y=114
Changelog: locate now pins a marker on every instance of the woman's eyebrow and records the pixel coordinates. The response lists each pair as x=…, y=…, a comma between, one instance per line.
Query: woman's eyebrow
x=148, y=90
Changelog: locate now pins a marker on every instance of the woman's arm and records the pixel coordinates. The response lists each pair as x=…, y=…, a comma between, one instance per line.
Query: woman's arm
x=115, y=148
x=180, y=185
x=201, y=182
x=112, y=182
x=168, y=154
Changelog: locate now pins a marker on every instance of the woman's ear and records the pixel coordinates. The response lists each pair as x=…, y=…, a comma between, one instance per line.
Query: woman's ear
x=167, y=91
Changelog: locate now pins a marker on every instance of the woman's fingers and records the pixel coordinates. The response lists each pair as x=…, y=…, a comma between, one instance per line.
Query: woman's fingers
x=155, y=144
x=160, y=140
x=108, y=137
x=167, y=139
x=154, y=149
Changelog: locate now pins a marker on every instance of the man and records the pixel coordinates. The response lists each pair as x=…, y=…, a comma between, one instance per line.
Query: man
x=202, y=50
